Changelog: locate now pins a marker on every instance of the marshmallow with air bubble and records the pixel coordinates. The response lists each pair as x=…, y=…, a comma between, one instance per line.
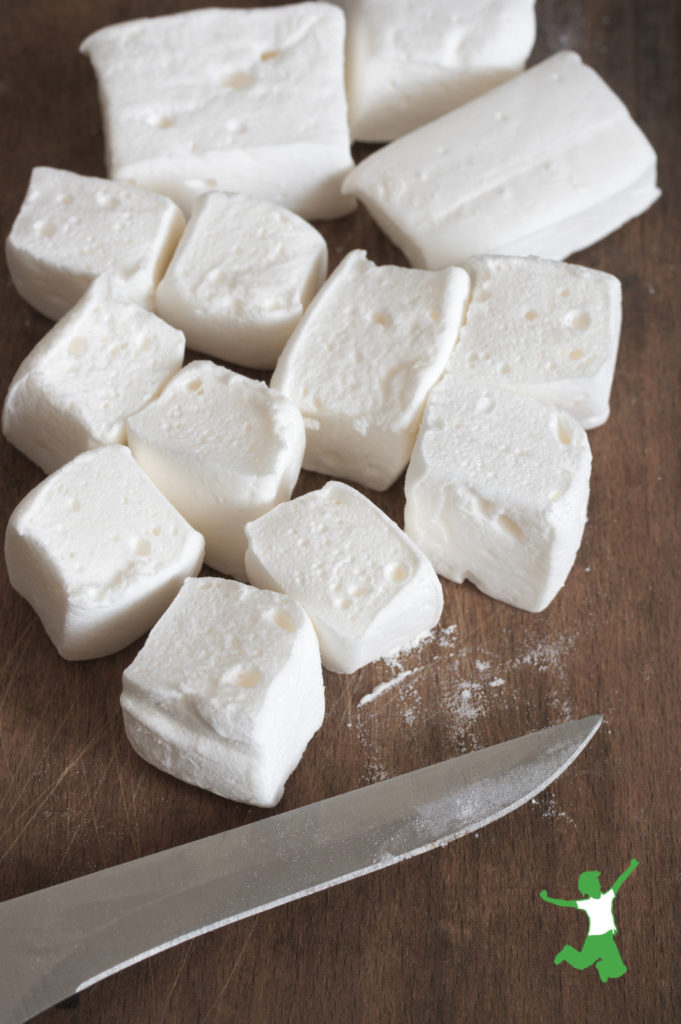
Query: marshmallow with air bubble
x=99, y=553
x=497, y=491
x=241, y=277
x=368, y=589
x=223, y=449
x=103, y=361
x=71, y=228
x=227, y=691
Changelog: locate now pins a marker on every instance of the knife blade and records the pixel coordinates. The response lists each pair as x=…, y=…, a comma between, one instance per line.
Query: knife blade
x=62, y=939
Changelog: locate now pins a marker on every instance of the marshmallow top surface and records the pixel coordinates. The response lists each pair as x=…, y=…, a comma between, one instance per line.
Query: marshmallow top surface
x=228, y=95
x=72, y=228
x=545, y=164
x=409, y=62
x=104, y=360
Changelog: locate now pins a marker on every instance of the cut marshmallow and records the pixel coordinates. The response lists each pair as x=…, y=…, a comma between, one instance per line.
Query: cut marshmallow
x=240, y=100
x=368, y=589
x=227, y=691
x=99, y=553
x=544, y=165
x=71, y=228
x=497, y=491
x=547, y=329
x=223, y=449
x=103, y=361
x=409, y=62
x=361, y=362
x=241, y=277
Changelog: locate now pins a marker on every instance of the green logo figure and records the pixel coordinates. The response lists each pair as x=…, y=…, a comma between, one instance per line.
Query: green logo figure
x=599, y=946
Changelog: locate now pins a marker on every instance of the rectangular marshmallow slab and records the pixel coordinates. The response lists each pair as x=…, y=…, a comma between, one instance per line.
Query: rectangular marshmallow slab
x=409, y=61
x=362, y=360
x=368, y=589
x=544, y=165
x=227, y=691
x=497, y=491
x=71, y=228
x=103, y=361
x=223, y=449
x=544, y=328
x=99, y=553
x=241, y=277
x=241, y=100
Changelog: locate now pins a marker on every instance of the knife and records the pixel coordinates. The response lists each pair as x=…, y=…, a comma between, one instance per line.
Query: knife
x=60, y=940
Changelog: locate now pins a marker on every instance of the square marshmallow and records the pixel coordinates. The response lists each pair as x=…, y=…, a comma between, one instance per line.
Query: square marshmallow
x=243, y=273
x=241, y=100
x=544, y=328
x=368, y=589
x=227, y=691
x=409, y=61
x=544, y=165
x=99, y=553
x=497, y=491
x=362, y=360
x=72, y=228
x=104, y=360
x=223, y=449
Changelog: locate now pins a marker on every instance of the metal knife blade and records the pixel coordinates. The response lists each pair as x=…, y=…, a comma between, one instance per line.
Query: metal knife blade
x=60, y=940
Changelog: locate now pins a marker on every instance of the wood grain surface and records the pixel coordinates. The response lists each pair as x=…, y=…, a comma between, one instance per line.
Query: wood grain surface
x=457, y=934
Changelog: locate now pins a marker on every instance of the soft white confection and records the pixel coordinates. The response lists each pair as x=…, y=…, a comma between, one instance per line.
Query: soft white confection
x=104, y=360
x=223, y=449
x=99, y=553
x=72, y=228
x=362, y=360
x=497, y=491
x=368, y=589
x=409, y=61
x=241, y=100
x=544, y=165
x=227, y=691
x=241, y=277
x=545, y=328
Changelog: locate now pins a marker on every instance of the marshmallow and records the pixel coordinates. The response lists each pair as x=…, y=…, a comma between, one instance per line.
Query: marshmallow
x=227, y=690
x=409, y=62
x=71, y=228
x=368, y=589
x=497, y=491
x=103, y=361
x=545, y=165
x=223, y=449
x=241, y=277
x=98, y=553
x=361, y=362
x=547, y=329
x=241, y=100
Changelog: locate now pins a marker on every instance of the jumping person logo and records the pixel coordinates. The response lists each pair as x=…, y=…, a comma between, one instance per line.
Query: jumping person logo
x=599, y=946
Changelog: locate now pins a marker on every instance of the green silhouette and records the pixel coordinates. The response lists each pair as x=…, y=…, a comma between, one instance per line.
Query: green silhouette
x=599, y=946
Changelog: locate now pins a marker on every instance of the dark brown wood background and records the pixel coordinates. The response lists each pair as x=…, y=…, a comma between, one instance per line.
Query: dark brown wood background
x=458, y=934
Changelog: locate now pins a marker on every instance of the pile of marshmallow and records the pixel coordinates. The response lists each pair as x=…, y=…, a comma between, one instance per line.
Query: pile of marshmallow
x=479, y=374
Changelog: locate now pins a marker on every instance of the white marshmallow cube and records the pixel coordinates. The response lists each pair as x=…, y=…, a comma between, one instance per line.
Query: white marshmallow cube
x=544, y=165
x=368, y=589
x=223, y=449
x=240, y=100
x=544, y=328
x=409, y=61
x=104, y=360
x=72, y=228
x=227, y=691
x=497, y=491
x=99, y=553
x=362, y=360
x=241, y=277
